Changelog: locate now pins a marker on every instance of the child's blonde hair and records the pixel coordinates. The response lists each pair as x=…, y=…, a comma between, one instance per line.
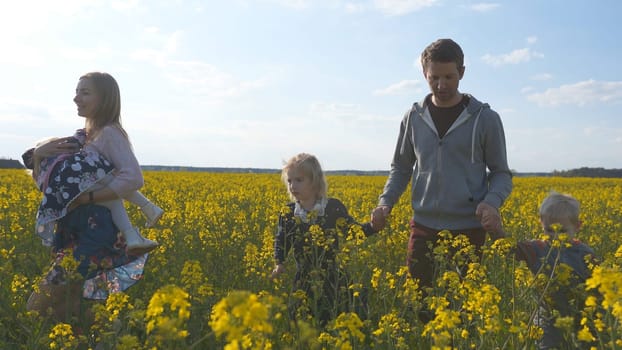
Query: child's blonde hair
x=310, y=166
x=558, y=208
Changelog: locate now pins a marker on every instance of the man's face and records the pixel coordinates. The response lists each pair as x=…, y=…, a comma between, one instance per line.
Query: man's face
x=443, y=80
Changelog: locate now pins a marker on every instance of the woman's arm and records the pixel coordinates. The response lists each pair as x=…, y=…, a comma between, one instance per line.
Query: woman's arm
x=53, y=147
x=113, y=145
x=47, y=148
x=128, y=177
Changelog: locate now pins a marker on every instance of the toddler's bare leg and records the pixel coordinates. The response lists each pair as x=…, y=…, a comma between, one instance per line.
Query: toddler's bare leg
x=137, y=198
x=136, y=243
x=119, y=214
x=152, y=212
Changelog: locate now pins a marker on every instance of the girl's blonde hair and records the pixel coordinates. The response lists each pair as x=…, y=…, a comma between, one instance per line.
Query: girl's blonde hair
x=310, y=166
x=109, y=109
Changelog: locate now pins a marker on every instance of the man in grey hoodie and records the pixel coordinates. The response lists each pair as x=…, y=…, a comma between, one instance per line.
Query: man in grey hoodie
x=453, y=147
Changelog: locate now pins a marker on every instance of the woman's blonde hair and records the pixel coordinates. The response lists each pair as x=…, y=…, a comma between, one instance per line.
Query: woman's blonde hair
x=310, y=166
x=109, y=109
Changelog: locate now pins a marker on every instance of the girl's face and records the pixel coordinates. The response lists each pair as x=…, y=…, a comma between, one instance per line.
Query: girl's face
x=300, y=186
x=86, y=99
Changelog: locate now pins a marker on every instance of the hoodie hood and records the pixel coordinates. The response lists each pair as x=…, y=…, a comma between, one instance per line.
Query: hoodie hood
x=473, y=110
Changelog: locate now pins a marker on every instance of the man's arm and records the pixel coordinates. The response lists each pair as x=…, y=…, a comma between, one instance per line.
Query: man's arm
x=401, y=171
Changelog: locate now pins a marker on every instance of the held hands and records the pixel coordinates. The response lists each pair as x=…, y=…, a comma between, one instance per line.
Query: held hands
x=278, y=269
x=379, y=217
x=490, y=219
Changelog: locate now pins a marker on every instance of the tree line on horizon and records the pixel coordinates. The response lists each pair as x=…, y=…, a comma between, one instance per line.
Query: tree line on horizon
x=580, y=172
x=588, y=172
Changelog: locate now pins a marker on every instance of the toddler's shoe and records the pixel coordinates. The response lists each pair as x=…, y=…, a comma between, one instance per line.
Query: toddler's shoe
x=153, y=213
x=136, y=244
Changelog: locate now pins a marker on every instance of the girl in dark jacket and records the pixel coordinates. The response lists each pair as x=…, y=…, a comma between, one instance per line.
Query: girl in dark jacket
x=311, y=226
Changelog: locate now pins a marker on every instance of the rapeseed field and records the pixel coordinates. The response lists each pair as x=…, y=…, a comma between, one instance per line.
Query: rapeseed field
x=208, y=285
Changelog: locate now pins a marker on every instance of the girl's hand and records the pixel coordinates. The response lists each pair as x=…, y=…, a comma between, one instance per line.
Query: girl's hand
x=278, y=269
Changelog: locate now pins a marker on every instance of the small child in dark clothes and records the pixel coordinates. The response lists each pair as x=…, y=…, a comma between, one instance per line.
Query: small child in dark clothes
x=311, y=227
x=559, y=214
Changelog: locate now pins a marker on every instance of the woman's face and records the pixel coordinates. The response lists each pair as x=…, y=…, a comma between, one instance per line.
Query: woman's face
x=86, y=99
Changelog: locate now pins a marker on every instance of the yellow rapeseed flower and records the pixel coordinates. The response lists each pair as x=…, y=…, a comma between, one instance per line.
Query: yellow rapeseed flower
x=243, y=319
x=167, y=313
x=61, y=337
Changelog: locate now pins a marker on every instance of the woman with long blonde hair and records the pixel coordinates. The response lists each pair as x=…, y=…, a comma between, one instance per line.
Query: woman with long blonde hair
x=86, y=229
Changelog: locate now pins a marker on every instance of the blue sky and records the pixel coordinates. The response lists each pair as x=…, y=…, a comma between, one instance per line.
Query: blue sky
x=250, y=83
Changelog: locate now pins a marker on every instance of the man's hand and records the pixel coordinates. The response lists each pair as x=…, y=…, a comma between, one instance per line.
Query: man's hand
x=490, y=219
x=379, y=217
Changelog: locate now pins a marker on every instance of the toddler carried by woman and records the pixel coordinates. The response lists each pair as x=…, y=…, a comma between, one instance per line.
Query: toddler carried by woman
x=63, y=177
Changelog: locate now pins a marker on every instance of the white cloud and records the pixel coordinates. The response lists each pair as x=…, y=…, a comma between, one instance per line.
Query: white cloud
x=353, y=7
x=343, y=113
x=207, y=80
x=27, y=17
x=335, y=111
x=532, y=40
x=609, y=139
x=159, y=47
x=387, y=7
x=580, y=94
x=22, y=23
x=29, y=29
x=196, y=78
x=400, y=88
x=295, y=4
x=168, y=43
x=402, y=7
x=17, y=54
x=85, y=54
x=125, y=6
x=484, y=6
x=590, y=131
x=22, y=110
x=542, y=77
x=526, y=89
x=251, y=142
x=514, y=57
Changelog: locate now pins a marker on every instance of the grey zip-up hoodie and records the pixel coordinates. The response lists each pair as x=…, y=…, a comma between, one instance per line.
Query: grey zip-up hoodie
x=450, y=177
